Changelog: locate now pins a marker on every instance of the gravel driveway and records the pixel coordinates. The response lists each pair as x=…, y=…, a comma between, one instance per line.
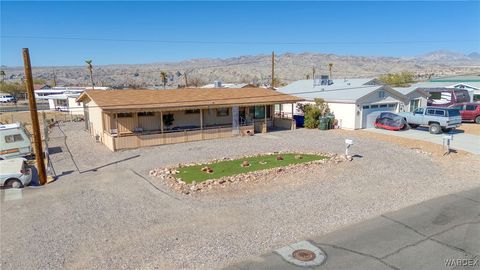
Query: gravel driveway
x=104, y=212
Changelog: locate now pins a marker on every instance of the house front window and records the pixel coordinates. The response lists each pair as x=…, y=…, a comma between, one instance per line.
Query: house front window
x=258, y=112
x=222, y=112
x=415, y=103
x=61, y=103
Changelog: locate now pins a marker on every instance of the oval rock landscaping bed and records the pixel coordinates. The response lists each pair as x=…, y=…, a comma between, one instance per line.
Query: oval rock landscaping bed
x=188, y=178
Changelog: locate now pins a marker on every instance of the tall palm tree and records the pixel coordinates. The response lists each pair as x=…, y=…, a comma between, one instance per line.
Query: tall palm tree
x=90, y=68
x=330, y=66
x=164, y=77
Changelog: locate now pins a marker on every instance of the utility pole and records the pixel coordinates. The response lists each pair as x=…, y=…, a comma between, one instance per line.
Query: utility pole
x=186, y=80
x=54, y=78
x=313, y=72
x=37, y=137
x=273, y=70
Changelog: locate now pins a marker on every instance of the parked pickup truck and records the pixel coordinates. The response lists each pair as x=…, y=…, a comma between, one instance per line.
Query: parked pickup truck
x=437, y=119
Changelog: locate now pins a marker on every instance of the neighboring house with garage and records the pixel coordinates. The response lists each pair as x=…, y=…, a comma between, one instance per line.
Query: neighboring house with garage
x=352, y=101
x=123, y=119
x=414, y=97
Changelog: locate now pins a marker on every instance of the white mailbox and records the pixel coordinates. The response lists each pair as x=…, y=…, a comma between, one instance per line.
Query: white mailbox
x=348, y=143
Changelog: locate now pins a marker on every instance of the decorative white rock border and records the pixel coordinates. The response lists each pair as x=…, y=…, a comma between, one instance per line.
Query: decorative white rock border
x=168, y=174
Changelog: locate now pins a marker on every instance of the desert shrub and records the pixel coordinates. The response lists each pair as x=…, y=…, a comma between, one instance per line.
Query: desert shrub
x=313, y=112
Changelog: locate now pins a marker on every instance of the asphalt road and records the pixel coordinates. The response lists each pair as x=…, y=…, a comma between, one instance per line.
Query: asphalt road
x=22, y=108
x=461, y=141
x=442, y=233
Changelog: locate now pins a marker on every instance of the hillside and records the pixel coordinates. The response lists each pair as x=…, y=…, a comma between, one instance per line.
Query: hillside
x=257, y=69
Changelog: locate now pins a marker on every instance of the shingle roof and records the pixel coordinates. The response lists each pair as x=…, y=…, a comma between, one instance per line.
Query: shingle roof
x=183, y=98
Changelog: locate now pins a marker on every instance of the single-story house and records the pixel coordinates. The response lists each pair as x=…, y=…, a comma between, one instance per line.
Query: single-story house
x=135, y=118
x=352, y=101
x=65, y=102
x=414, y=97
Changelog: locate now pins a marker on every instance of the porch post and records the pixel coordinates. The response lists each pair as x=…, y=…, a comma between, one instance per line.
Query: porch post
x=116, y=124
x=265, y=119
x=201, y=118
x=292, y=110
x=161, y=121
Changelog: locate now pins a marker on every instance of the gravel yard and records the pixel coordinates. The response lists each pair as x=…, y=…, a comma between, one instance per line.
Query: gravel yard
x=105, y=212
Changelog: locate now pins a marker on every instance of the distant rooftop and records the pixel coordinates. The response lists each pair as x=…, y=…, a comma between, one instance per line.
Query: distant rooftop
x=460, y=78
x=226, y=85
x=344, y=90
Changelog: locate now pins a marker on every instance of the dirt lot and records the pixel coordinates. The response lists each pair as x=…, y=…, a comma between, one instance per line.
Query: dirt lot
x=25, y=118
x=105, y=212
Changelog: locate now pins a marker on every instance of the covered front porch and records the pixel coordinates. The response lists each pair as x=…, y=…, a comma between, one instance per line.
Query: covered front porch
x=138, y=128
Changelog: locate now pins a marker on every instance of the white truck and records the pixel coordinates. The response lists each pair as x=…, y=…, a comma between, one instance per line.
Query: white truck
x=437, y=119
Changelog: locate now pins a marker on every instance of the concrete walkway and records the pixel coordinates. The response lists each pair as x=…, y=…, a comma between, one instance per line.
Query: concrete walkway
x=442, y=233
x=461, y=141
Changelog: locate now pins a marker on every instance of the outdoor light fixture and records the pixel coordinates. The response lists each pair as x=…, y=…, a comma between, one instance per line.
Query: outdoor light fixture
x=348, y=143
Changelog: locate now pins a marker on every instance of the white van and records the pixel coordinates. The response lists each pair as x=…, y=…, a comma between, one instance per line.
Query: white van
x=14, y=141
x=7, y=98
x=15, y=173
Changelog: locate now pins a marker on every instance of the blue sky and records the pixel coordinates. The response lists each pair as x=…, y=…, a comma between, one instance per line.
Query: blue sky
x=132, y=32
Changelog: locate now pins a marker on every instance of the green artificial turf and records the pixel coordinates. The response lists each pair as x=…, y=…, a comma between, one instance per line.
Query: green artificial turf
x=233, y=167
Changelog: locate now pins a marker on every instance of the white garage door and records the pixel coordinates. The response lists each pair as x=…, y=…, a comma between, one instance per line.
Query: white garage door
x=370, y=112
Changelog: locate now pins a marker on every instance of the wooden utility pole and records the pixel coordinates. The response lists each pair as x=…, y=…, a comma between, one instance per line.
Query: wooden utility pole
x=273, y=70
x=37, y=137
x=330, y=66
x=54, y=78
x=313, y=72
x=186, y=80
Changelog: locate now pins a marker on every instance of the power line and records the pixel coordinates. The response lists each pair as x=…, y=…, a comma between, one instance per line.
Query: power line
x=237, y=42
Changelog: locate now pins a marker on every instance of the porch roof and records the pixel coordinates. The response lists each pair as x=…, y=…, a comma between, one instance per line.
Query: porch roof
x=184, y=98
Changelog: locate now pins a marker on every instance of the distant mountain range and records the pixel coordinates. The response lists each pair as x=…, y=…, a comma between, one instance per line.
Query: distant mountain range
x=257, y=69
x=449, y=56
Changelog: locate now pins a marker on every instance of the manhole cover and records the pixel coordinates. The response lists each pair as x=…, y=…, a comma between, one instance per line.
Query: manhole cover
x=304, y=255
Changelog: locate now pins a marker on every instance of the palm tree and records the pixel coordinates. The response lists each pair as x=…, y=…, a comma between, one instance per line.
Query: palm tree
x=90, y=68
x=164, y=77
x=330, y=66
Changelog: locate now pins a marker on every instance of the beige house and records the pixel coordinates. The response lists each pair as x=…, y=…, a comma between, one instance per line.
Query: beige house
x=123, y=119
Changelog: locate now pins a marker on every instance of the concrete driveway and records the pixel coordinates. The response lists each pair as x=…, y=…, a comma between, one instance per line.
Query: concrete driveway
x=442, y=233
x=461, y=141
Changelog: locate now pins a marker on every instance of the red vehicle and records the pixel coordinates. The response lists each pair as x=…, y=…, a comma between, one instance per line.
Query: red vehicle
x=469, y=111
x=390, y=121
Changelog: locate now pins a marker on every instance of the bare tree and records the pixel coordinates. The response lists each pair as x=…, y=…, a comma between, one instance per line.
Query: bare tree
x=90, y=68
x=195, y=81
